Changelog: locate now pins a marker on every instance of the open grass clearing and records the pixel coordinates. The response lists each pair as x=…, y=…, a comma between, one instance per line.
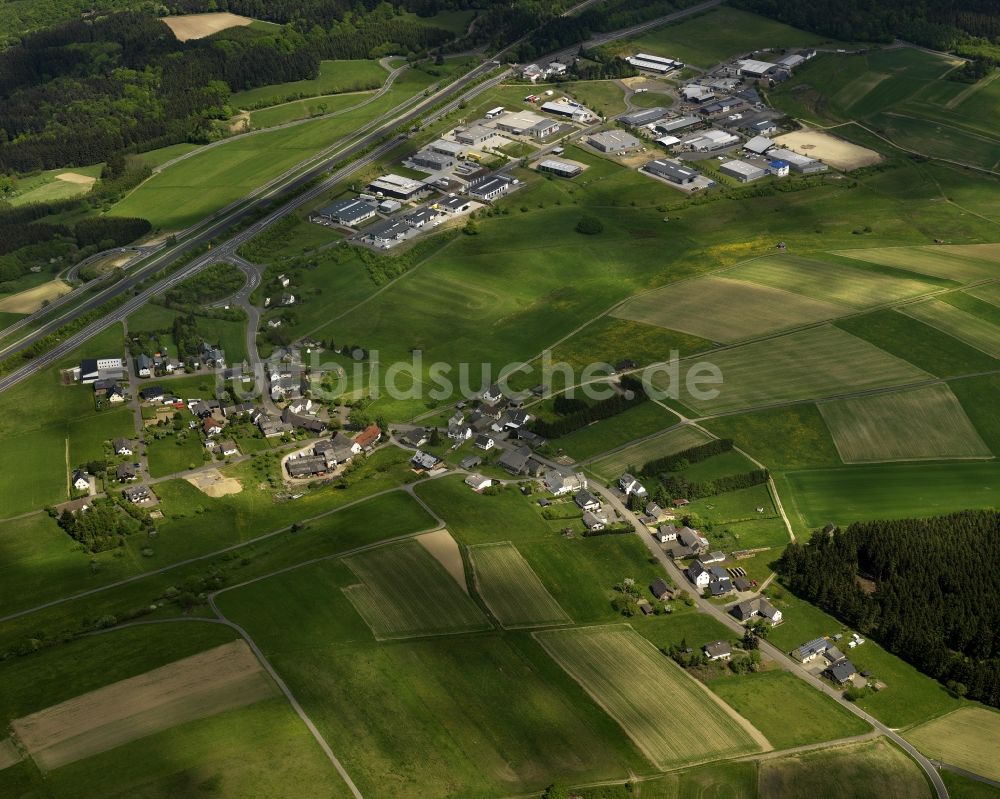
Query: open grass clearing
x=814, y=363
x=919, y=424
x=960, y=787
x=726, y=310
x=963, y=263
x=56, y=184
x=814, y=497
x=198, y=26
x=201, y=685
x=965, y=738
x=978, y=397
x=511, y=590
x=647, y=694
x=787, y=710
x=636, y=422
x=781, y=438
x=722, y=33
x=836, y=282
x=870, y=770
x=306, y=108
x=973, y=330
x=641, y=452
x=405, y=592
x=29, y=301
x=334, y=77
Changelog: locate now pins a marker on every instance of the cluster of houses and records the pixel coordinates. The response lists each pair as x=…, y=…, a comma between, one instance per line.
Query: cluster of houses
x=328, y=455
x=155, y=365
x=834, y=663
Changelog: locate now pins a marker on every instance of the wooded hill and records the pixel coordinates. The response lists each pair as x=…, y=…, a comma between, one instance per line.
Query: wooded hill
x=936, y=597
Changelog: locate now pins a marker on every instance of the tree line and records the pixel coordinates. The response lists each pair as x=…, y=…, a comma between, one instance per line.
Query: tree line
x=684, y=458
x=583, y=414
x=936, y=595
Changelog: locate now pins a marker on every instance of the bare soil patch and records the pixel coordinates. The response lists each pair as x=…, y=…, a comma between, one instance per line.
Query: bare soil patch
x=240, y=123
x=214, y=484
x=9, y=754
x=198, y=26
x=31, y=300
x=73, y=177
x=829, y=149
x=445, y=550
x=199, y=686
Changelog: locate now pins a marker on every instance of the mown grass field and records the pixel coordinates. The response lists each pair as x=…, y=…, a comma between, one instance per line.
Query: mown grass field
x=869, y=770
x=174, y=453
x=334, y=77
x=787, y=710
x=722, y=33
x=642, y=420
x=726, y=310
x=642, y=452
x=306, y=108
x=511, y=590
x=405, y=592
x=48, y=187
x=975, y=394
x=888, y=491
x=833, y=281
x=989, y=293
x=813, y=363
x=782, y=438
x=648, y=694
x=965, y=738
x=918, y=424
x=973, y=330
x=961, y=263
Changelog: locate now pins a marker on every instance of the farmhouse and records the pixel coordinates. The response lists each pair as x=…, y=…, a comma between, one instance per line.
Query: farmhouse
x=715, y=579
x=519, y=461
x=629, y=485
x=387, y=232
x=416, y=437
x=678, y=123
x=93, y=369
x=211, y=427
x=306, y=466
x=125, y=472
x=346, y=212
x=752, y=68
x=647, y=116
x=563, y=480
x=152, y=393
x=653, y=63
x=396, y=186
x=474, y=135
x=614, y=141
x=490, y=187
x=666, y=533
x=80, y=480
x=672, y=171
x=121, y=446
x=143, y=365
x=593, y=522
x=424, y=461
x=799, y=163
x=435, y=162
x=811, y=650
x=227, y=448
x=586, y=501
x=756, y=606
x=137, y=494
x=661, y=590
x=369, y=437
x=709, y=140
x=718, y=650
x=742, y=171
x=841, y=672
x=485, y=442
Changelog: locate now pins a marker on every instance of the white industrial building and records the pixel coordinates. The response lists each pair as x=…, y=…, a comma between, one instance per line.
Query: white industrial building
x=563, y=169
x=671, y=125
x=753, y=68
x=694, y=93
x=569, y=109
x=799, y=163
x=653, y=63
x=742, y=171
x=759, y=145
x=672, y=171
x=474, y=135
x=709, y=140
x=614, y=141
x=445, y=147
x=396, y=186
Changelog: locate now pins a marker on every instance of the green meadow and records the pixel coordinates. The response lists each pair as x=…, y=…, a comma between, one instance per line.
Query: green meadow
x=334, y=77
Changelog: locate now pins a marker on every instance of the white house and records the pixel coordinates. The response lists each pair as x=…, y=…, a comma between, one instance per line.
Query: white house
x=485, y=442
x=699, y=575
x=477, y=482
x=122, y=447
x=666, y=533
x=81, y=480
x=629, y=485
x=586, y=501
x=563, y=481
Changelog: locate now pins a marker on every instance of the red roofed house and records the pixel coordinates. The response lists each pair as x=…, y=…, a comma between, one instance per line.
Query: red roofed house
x=369, y=437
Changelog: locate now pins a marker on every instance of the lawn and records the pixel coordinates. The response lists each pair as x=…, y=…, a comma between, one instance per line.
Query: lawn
x=221, y=755
x=648, y=694
x=176, y=452
x=836, y=281
x=511, y=590
x=722, y=33
x=814, y=497
x=909, y=697
x=306, y=108
x=869, y=770
x=812, y=363
x=965, y=738
x=404, y=592
x=334, y=77
x=635, y=456
x=726, y=310
x=787, y=710
x=603, y=97
x=47, y=187
x=642, y=420
x=924, y=346
x=781, y=438
x=918, y=424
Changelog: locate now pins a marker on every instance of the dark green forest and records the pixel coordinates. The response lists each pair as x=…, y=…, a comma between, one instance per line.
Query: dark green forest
x=936, y=597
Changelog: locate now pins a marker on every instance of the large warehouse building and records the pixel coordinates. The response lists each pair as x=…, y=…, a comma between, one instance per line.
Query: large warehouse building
x=614, y=141
x=672, y=171
x=653, y=63
x=346, y=212
x=799, y=163
x=742, y=171
x=636, y=119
